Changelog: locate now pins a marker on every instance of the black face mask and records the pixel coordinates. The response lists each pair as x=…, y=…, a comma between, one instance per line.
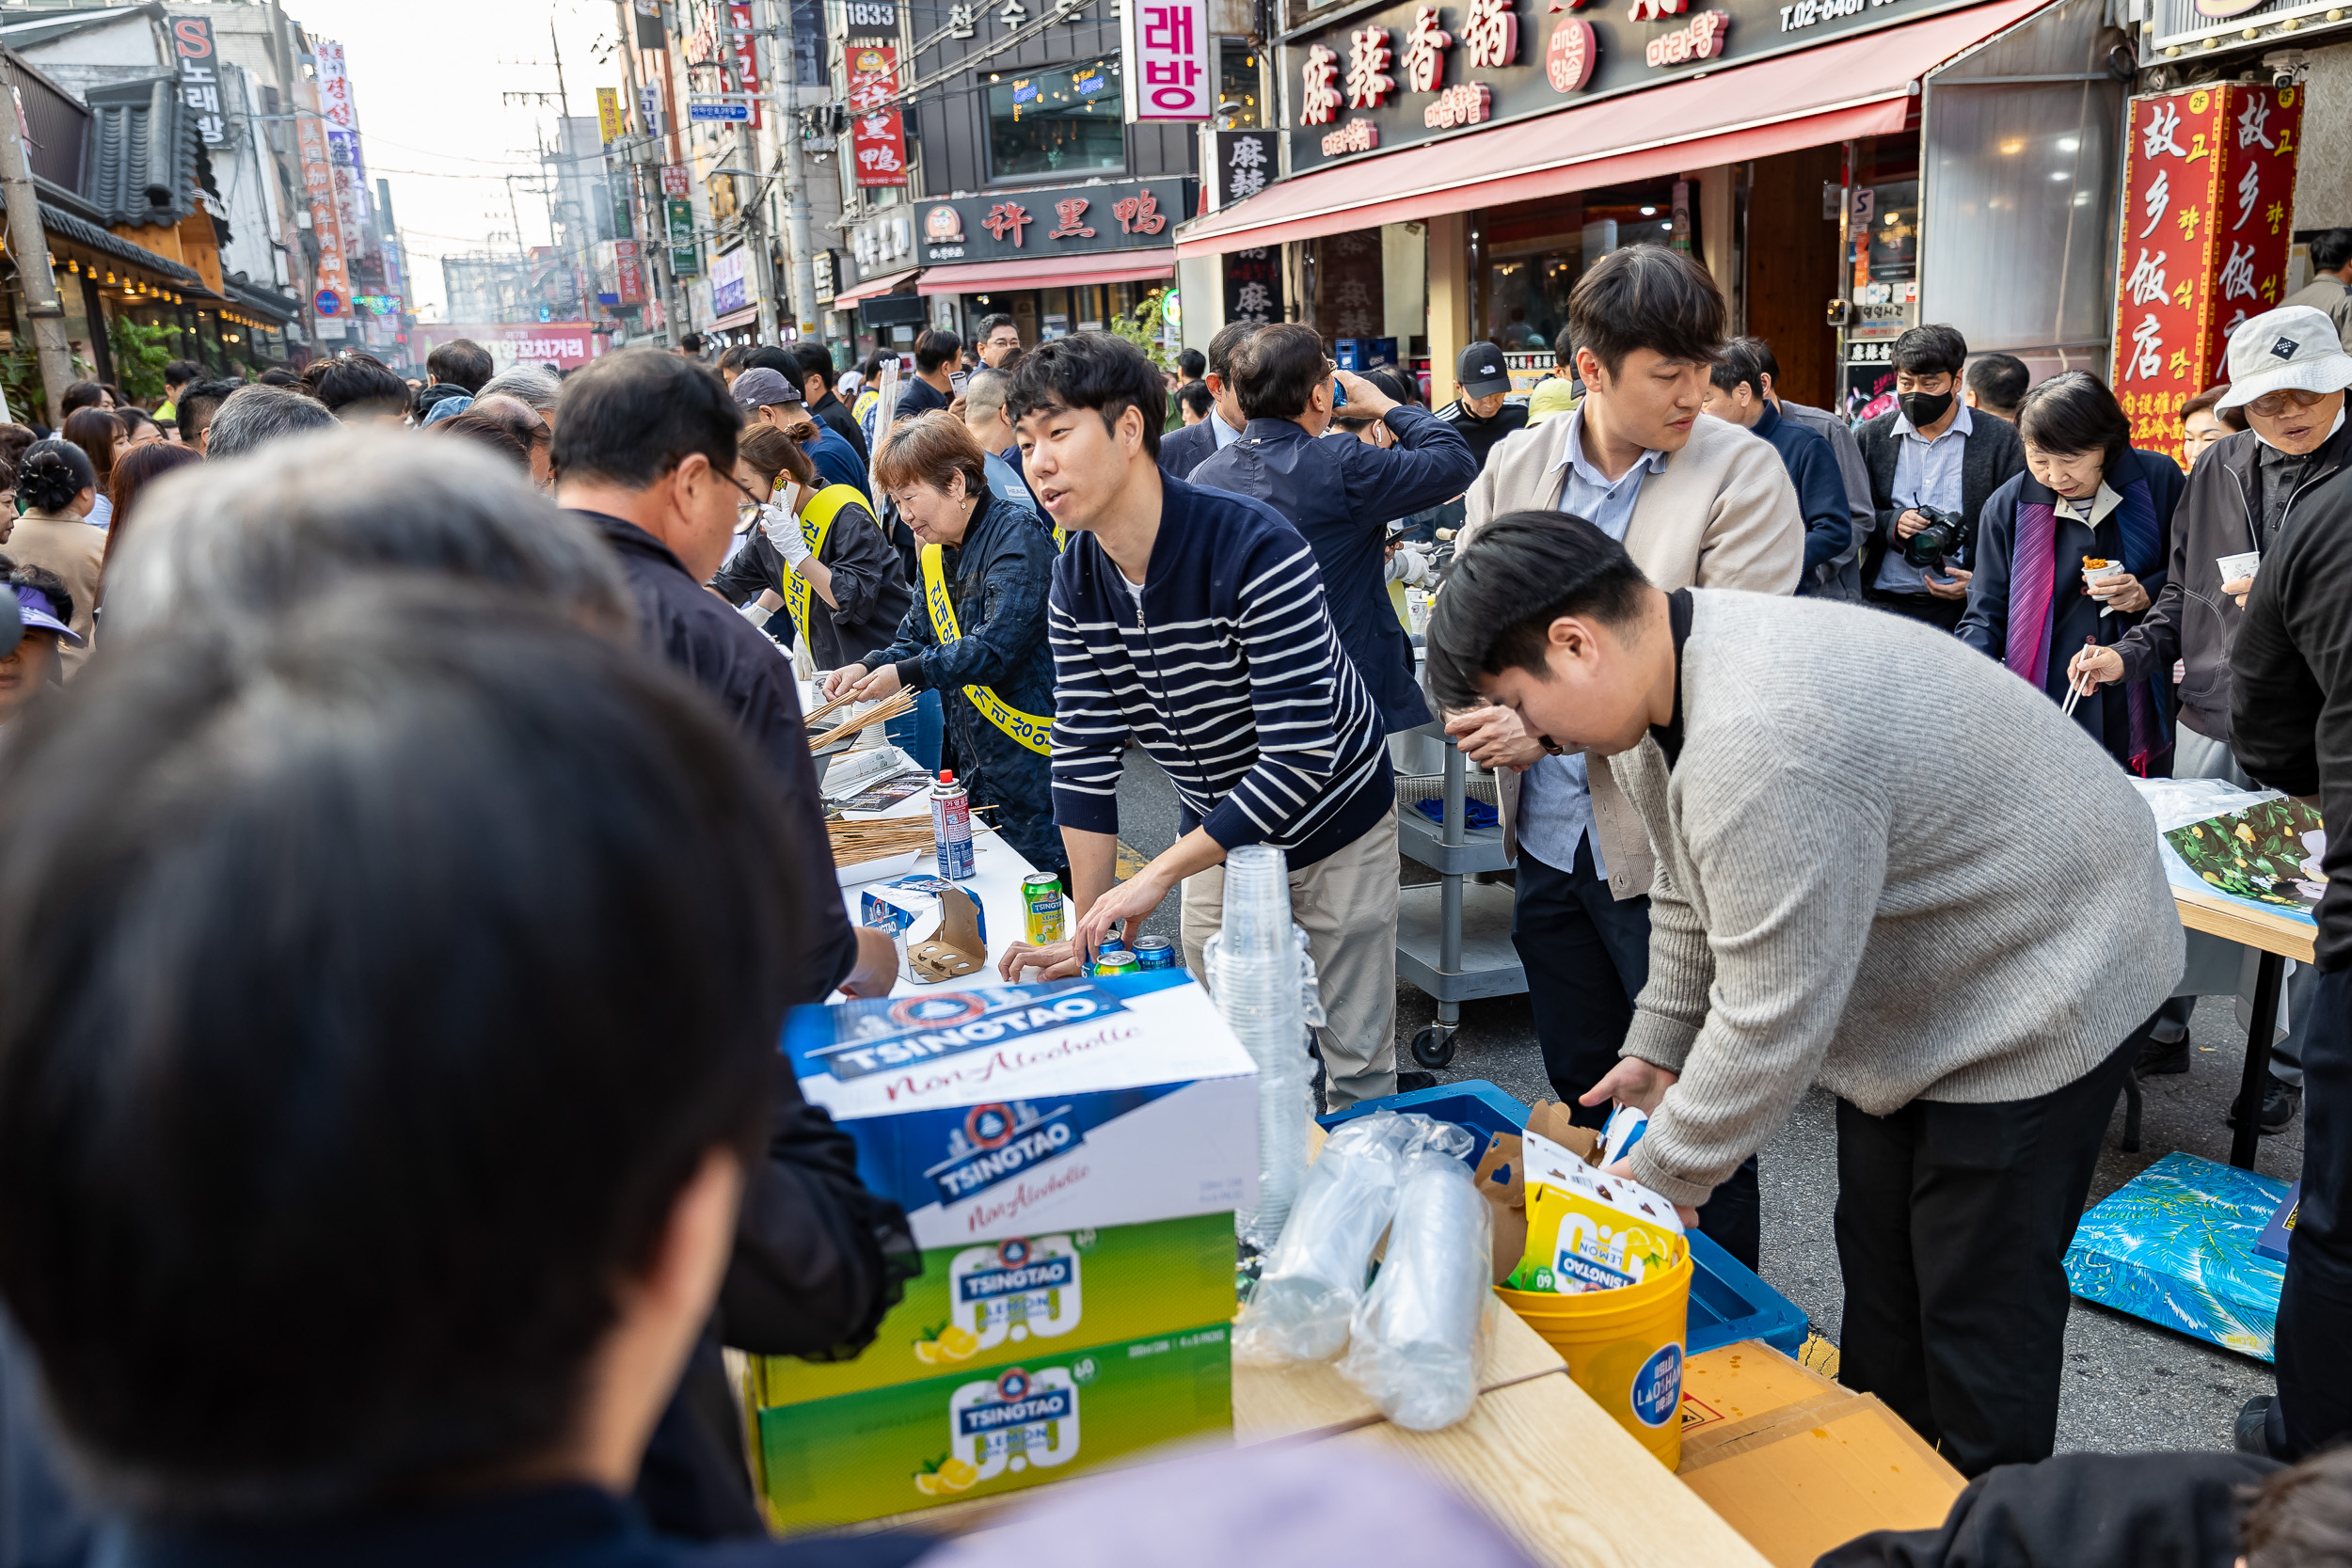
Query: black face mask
x=1924, y=408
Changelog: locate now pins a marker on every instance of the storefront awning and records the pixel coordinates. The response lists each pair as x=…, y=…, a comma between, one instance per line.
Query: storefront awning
x=889, y=285
x=1048, y=272
x=746, y=316
x=1859, y=86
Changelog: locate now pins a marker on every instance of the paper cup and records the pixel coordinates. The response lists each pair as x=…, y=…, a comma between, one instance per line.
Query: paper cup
x=2240, y=565
x=2100, y=574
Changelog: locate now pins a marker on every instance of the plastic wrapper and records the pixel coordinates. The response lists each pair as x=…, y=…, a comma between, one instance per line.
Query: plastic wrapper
x=1416, y=1341
x=1315, y=1276
x=1264, y=986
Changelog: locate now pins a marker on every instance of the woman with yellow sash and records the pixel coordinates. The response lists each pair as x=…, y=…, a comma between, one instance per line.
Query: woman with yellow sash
x=976, y=632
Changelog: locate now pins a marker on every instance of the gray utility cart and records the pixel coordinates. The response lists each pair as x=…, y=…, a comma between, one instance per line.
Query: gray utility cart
x=1453, y=935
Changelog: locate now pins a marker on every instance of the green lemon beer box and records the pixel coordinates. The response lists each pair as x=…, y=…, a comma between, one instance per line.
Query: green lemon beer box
x=981, y=1433
x=992, y=1304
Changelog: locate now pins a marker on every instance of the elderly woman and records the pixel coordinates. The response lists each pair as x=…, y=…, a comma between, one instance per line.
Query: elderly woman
x=2071, y=553
x=976, y=631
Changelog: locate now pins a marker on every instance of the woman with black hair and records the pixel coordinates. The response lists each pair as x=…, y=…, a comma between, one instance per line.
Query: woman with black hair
x=58, y=488
x=2073, y=551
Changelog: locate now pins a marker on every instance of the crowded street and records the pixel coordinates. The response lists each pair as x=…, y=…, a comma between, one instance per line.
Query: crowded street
x=853, y=783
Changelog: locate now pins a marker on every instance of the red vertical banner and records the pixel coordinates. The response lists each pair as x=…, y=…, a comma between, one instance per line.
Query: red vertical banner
x=744, y=46
x=878, y=141
x=2209, y=192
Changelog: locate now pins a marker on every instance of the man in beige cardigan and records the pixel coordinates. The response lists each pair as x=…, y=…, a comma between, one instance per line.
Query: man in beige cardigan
x=1697, y=502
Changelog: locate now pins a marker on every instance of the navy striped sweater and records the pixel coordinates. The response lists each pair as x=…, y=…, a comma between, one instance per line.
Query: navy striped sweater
x=1231, y=679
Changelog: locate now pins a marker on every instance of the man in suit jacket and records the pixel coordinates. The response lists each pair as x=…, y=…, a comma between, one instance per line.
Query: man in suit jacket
x=1845, y=578
x=1930, y=450
x=1186, y=448
x=1697, y=502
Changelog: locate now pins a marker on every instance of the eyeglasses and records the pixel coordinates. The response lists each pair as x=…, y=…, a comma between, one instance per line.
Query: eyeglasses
x=2271, y=404
x=746, y=510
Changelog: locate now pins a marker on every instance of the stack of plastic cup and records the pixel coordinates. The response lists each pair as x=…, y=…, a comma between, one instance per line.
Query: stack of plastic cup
x=1256, y=974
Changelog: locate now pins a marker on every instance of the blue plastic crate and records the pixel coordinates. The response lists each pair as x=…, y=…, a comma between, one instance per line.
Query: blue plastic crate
x=1729, y=1303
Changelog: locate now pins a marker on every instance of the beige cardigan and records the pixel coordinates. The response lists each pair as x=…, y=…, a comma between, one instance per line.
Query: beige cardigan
x=1723, y=514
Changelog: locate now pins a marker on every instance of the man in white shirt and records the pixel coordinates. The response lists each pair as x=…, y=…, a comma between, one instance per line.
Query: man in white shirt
x=1185, y=448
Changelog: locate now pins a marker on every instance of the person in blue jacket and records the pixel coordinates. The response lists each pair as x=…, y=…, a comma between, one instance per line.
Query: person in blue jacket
x=2086, y=496
x=1736, y=392
x=1339, y=493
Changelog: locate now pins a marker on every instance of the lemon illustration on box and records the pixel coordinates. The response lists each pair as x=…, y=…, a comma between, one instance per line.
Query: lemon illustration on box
x=913, y=1445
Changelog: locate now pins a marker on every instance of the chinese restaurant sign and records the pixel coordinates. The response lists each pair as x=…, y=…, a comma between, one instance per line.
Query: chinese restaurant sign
x=878, y=138
x=1068, y=220
x=2209, y=187
x=1386, y=76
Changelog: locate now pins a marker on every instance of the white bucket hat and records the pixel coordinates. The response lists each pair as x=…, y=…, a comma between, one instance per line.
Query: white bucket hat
x=2293, y=349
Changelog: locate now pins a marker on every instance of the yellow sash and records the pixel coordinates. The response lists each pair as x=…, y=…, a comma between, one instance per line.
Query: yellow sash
x=1027, y=728
x=816, y=522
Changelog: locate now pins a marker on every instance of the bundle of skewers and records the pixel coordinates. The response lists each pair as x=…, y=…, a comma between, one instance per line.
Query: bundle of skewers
x=877, y=838
x=840, y=733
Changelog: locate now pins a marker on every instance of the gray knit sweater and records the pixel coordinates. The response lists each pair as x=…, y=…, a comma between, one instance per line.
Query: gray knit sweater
x=1885, y=866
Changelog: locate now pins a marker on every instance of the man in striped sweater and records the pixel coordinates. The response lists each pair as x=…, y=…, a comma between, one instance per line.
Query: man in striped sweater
x=1192, y=623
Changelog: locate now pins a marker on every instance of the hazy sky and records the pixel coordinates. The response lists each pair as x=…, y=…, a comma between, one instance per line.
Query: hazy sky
x=428, y=77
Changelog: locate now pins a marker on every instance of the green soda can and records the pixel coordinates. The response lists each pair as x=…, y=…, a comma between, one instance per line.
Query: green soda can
x=1041, y=908
x=1118, y=961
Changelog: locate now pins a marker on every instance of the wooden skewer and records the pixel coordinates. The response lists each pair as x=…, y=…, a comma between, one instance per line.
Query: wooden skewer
x=822, y=708
x=890, y=708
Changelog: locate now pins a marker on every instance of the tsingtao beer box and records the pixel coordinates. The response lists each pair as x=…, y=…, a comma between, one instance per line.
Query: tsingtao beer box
x=1013, y=1111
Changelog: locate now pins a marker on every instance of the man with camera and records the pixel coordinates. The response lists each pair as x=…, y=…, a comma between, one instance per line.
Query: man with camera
x=1933, y=465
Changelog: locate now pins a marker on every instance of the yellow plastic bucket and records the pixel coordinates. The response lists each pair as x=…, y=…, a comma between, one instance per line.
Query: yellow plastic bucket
x=1624, y=1348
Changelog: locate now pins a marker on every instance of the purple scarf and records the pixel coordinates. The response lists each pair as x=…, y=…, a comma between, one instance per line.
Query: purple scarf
x=2033, y=590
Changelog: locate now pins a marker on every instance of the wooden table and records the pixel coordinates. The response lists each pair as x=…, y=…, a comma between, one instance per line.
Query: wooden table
x=2277, y=937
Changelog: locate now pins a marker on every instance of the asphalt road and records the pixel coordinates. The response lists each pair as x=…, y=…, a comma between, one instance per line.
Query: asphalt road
x=2129, y=1385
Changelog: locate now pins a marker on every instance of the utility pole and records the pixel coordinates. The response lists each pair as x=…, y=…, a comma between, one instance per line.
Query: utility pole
x=30, y=247
x=796, y=218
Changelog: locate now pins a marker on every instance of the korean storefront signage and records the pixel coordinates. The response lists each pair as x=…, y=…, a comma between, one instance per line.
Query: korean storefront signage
x=1414, y=70
x=200, y=77
x=1082, y=220
x=676, y=179
x=2209, y=191
x=822, y=272
x=1168, y=52
x=887, y=244
x=730, y=280
x=628, y=282
x=744, y=47
x=878, y=139
x=685, y=260
x=1253, y=285
x=609, y=115
x=343, y=144
x=318, y=189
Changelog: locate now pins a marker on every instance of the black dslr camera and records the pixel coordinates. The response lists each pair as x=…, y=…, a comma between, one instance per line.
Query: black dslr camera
x=1947, y=534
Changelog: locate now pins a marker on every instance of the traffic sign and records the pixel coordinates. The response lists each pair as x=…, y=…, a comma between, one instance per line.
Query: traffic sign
x=704, y=109
x=328, y=302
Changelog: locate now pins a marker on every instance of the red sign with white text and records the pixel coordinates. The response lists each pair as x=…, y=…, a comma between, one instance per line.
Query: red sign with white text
x=878, y=138
x=2209, y=187
x=746, y=51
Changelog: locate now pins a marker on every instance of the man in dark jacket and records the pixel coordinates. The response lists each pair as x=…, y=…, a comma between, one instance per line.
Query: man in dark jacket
x=645, y=452
x=1484, y=413
x=1339, y=493
x=1187, y=447
x=1844, y=581
x=1736, y=392
x=1929, y=451
x=2291, y=724
x=813, y=368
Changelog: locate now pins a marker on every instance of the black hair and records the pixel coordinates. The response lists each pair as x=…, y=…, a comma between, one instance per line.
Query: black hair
x=1094, y=371
x=494, y=434
x=1521, y=572
x=730, y=359
x=936, y=348
x=461, y=362
x=1222, y=344
x=52, y=473
x=2209, y=401
x=277, y=375
x=41, y=581
x=359, y=384
x=378, y=979
x=986, y=324
x=1394, y=385
x=1936, y=349
x=1647, y=296
x=1275, y=374
x=1766, y=360
x=1999, y=382
x=81, y=394
x=1192, y=364
x=1735, y=365
x=179, y=373
x=692, y=342
x=633, y=417
x=871, y=371
x=2331, y=249
x=196, y=405
x=1564, y=348
x=2301, y=1517
x=810, y=358
x=2073, y=412
x=769, y=356
x=1195, y=396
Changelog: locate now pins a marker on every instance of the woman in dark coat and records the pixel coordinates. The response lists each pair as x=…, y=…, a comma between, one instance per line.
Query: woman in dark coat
x=2087, y=494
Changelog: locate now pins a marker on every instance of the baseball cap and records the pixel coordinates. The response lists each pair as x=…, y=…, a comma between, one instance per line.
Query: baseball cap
x=2294, y=348
x=1479, y=372
x=762, y=388
x=39, y=612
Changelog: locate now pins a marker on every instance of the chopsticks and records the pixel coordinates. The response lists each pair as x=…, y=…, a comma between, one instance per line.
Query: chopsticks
x=822, y=708
x=2075, y=693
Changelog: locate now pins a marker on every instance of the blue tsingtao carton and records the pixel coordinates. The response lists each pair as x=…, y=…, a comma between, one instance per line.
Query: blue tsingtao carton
x=997, y=1111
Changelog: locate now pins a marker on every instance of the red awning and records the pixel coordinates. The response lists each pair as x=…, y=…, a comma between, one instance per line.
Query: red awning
x=879, y=286
x=1858, y=86
x=1047, y=272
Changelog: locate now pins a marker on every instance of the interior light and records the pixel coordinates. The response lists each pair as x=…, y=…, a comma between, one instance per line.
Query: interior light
x=2069, y=143
x=2061, y=174
x=1650, y=212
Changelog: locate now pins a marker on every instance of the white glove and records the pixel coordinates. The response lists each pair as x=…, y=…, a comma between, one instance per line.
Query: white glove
x=784, y=531
x=755, y=612
x=1410, y=568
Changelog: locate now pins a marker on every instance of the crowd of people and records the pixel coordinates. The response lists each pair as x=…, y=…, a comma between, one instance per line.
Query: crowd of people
x=410, y=843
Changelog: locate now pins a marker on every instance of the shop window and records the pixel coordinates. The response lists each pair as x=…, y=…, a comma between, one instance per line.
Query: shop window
x=1238, y=81
x=1349, y=298
x=1060, y=123
x=1529, y=256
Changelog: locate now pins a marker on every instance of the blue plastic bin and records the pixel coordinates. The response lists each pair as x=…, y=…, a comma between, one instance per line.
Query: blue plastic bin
x=1729, y=1303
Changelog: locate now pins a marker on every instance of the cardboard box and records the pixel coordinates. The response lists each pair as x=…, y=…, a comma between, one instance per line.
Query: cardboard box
x=2178, y=1244
x=1798, y=1463
x=1005, y=1111
x=976, y=1434
x=975, y=1309
x=2277, y=1234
